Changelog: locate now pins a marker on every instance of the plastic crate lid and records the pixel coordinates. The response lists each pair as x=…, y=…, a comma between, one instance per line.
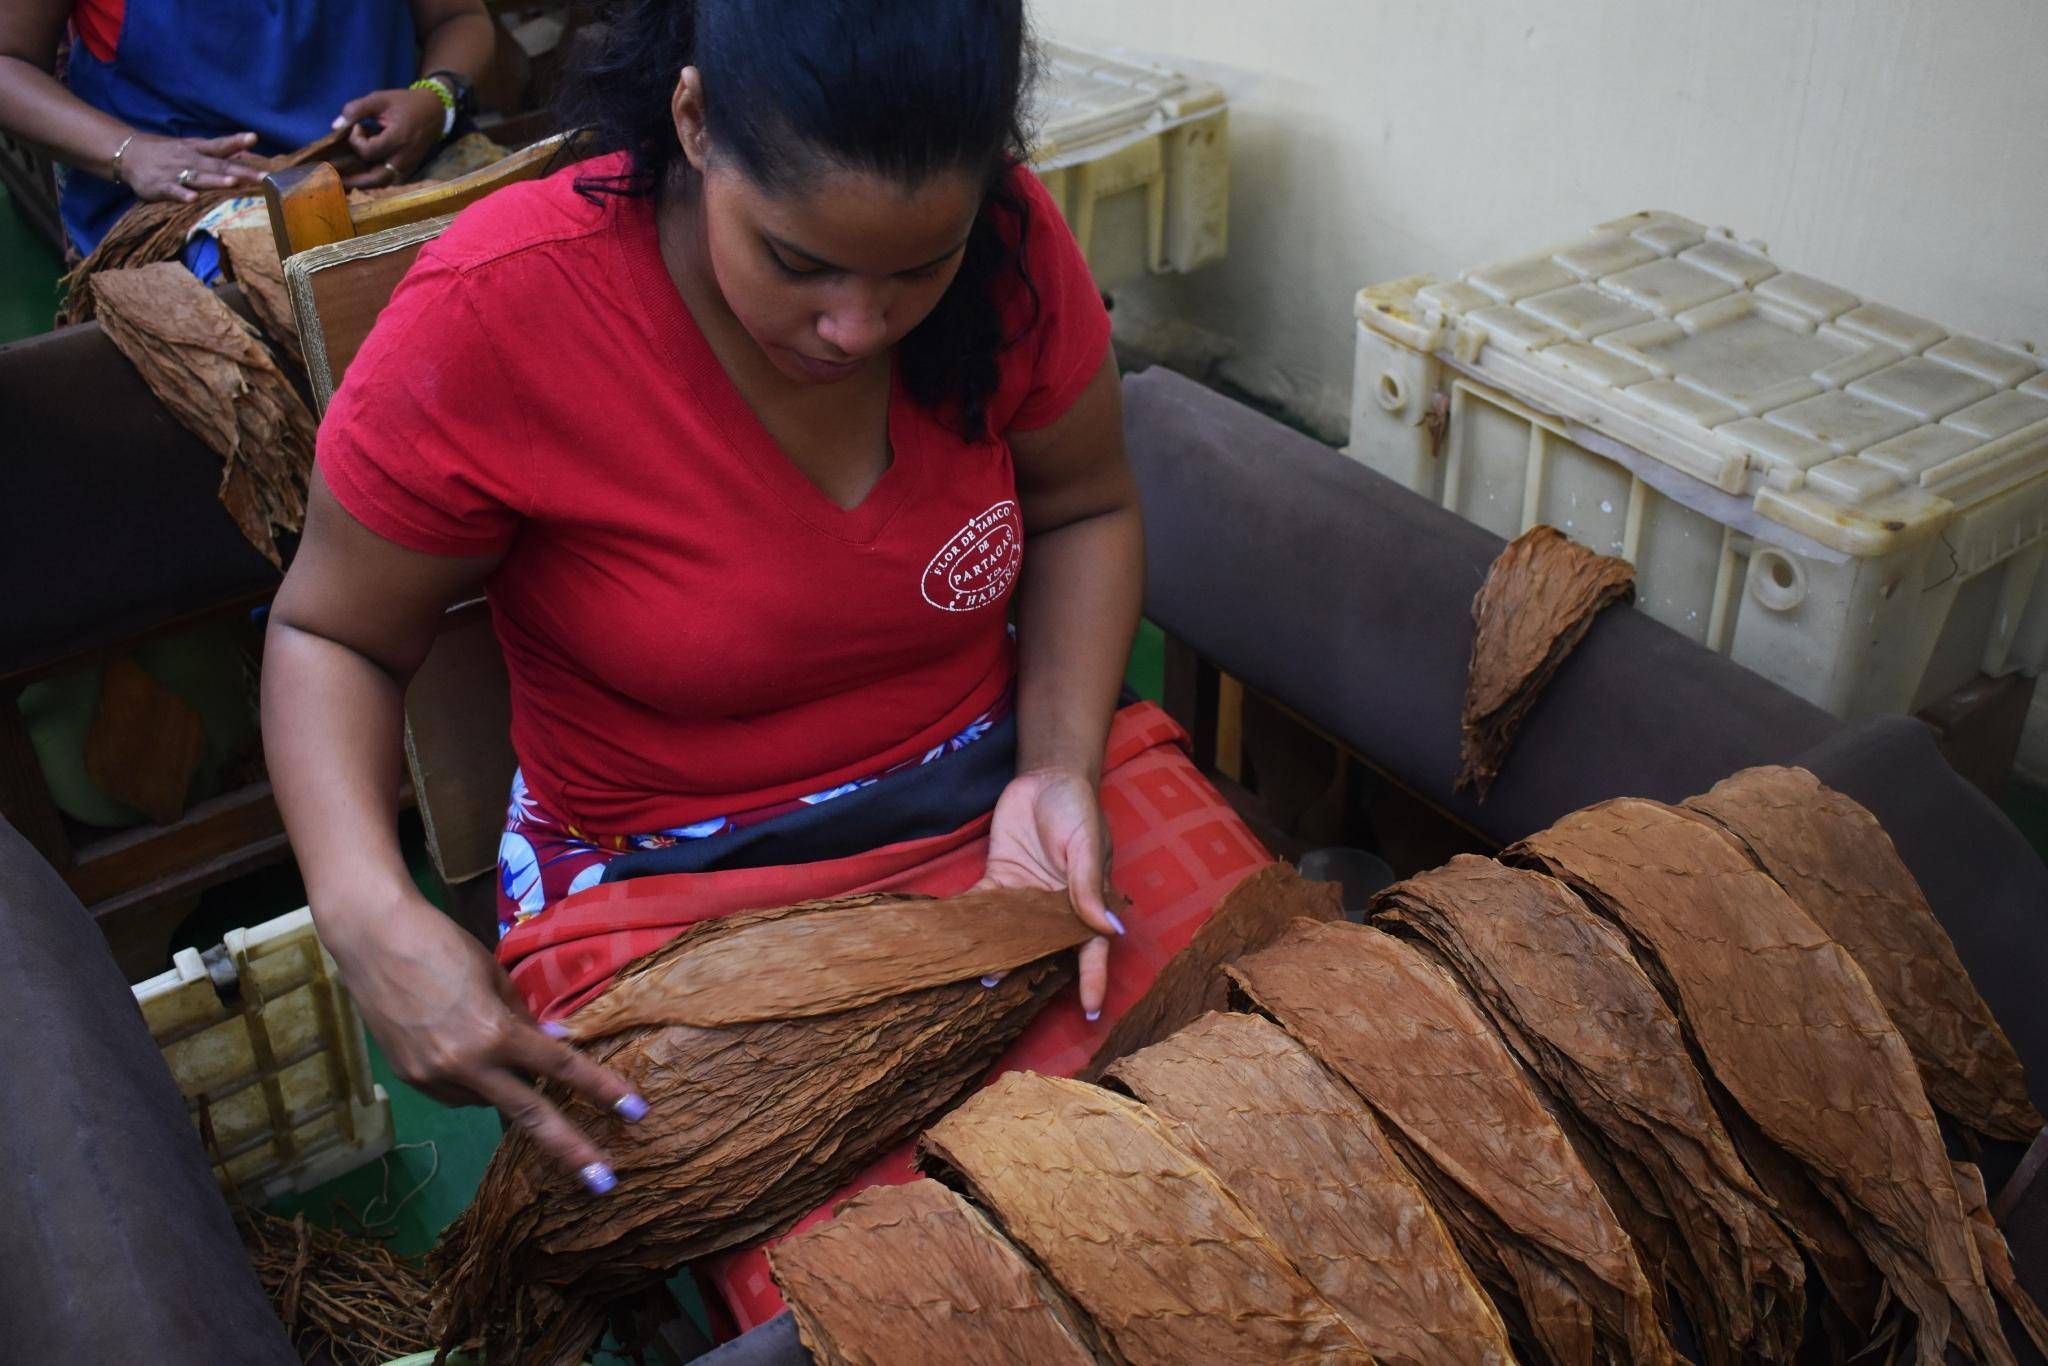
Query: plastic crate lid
x=276, y=1072
x=1088, y=104
x=1855, y=423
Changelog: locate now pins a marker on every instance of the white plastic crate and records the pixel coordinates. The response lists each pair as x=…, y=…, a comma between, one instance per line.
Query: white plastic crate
x=1138, y=159
x=278, y=1076
x=1845, y=498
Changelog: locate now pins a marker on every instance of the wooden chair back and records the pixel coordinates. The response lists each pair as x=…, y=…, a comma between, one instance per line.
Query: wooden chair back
x=341, y=263
x=342, y=260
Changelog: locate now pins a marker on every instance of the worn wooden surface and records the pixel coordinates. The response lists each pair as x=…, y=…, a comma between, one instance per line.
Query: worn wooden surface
x=458, y=743
x=1978, y=727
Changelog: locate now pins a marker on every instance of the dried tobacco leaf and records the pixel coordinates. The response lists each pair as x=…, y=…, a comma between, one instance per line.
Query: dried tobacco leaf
x=1308, y=1160
x=749, y=1128
x=252, y=257
x=203, y=364
x=1538, y=602
x=793, y=962
x=1568, y=997
x=1250, y=916
x=1467, y=1121
x=1792, y=1028
x=1167, y=1263
x=146, y=742
x=915, y=1273
x=1838, y=864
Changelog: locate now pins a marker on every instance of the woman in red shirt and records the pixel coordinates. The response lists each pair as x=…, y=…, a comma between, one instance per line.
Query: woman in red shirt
x=749, y=430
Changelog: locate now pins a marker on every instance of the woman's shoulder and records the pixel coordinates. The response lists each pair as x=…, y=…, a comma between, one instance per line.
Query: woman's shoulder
x=550, y=216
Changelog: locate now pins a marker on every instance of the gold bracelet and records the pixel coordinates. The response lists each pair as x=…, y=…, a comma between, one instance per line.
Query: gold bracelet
x=117, y=158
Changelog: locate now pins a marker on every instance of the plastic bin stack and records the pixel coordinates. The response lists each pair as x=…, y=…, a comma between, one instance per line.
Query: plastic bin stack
x=1138, y=159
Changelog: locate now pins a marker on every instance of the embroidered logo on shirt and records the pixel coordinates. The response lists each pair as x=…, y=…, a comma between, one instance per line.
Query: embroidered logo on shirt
x=978, y=563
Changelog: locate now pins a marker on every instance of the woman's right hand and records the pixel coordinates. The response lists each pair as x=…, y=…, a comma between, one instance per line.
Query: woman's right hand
x=452, y=1025
x=151, y=165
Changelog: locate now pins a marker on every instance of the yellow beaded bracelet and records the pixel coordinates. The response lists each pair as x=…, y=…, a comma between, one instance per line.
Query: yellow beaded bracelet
x=445, y=96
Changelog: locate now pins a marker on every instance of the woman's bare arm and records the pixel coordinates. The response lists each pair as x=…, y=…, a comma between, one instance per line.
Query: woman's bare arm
x=353, y=621
x=36, y=107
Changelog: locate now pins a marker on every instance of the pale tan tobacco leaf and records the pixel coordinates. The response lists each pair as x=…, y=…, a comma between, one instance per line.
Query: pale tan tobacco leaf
x=1309, y=1161
x=1166, y=1262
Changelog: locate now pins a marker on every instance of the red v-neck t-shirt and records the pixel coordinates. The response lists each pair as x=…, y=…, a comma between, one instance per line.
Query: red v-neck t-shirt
x=691, y=627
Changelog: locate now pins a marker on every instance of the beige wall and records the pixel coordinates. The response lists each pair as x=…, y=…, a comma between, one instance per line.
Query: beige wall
x=1896, y=147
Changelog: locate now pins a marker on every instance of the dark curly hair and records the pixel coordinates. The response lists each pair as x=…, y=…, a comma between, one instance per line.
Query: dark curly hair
x=906, y=89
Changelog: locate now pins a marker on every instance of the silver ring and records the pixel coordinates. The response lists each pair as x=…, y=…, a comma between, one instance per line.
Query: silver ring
x=396, y=174
x=185, y=177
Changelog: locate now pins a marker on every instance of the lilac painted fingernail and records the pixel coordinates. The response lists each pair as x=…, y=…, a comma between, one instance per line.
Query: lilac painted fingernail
x=630, y=1108
x=1114, y=923
x=991, y=980
x=598, y=1178
x=554, y=1029
x=1093, y=1015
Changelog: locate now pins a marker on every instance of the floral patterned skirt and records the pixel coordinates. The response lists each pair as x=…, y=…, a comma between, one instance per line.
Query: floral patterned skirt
x=542, y=859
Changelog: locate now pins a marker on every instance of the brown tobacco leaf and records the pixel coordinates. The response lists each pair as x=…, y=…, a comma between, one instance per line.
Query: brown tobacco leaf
x=1567, y=995
x=1791, y=1026
x=252, y=253
x=1306, y=1157
x=915, y=1273
x=155, y=231
x=821, y=957
x=146, y=742
x=1168, y=1264
x=1840, y=867
x=1468, y=1123
x=1538, y=602
x=749, y=1128
x=1250, y=916
x=219, y=382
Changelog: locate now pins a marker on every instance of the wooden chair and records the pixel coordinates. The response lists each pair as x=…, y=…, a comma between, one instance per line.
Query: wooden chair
x=341, y=263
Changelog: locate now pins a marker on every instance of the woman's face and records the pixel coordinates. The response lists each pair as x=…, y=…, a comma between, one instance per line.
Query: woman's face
x=836, y=273
x=833, y=274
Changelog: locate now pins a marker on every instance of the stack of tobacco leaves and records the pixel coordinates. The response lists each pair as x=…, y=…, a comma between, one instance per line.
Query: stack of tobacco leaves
x=1561, y=986
x=1834, y=859
x=1790, y=1026
x=1165, y=1260
x=220, y=382
x=341, y=1299
x=1538, y=602
x=1310, y=1163
x=1706, y=1069
x=1467, y=1122
x=915, y=1273
x=826, y=1055
x=1251, y=915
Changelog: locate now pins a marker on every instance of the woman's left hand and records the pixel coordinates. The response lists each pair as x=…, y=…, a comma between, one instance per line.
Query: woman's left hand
x=411, y=124
x=1048, y=831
